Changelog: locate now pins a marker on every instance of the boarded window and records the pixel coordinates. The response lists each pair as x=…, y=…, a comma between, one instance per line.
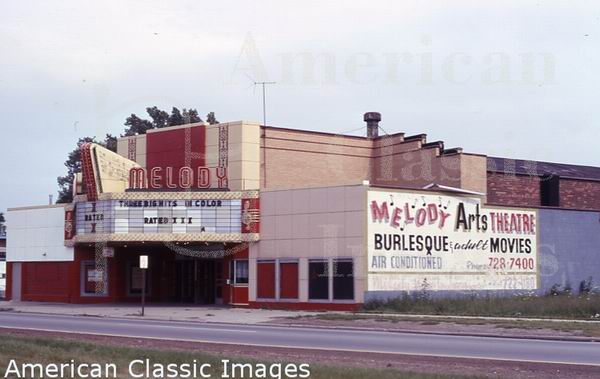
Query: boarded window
x=265, y=288
x=288, y=280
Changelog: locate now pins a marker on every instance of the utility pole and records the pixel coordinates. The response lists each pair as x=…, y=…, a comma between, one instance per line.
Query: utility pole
x=264, y=99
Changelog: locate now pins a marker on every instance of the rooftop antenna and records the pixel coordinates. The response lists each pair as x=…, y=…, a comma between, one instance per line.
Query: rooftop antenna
x=264, y=99
x=264, y=96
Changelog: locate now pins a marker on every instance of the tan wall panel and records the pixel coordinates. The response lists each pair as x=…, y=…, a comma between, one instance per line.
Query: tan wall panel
x=474, y=172
x=289, y=169
x=299, y=135
x=417, y=169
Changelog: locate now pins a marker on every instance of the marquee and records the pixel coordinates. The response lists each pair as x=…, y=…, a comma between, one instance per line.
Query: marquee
x=167, y=218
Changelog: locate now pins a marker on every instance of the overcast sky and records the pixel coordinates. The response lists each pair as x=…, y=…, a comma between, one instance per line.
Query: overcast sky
x=516, y=79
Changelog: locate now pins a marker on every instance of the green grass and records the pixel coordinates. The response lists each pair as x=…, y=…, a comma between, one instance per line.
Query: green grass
x=557, y=306
x=52, y=350
x=585, y=329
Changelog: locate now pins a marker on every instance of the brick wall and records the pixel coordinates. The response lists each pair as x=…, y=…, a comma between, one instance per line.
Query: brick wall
x=579, y=194
x=300, y=159
x=524, y=190
x=514, y=190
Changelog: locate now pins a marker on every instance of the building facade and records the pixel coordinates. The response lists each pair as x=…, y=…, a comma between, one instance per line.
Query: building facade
x=243, y=214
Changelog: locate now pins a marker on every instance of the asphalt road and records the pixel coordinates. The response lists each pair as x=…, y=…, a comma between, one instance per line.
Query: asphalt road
x=523, y=350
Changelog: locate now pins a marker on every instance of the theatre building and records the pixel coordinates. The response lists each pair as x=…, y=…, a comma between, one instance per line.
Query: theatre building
x=249, y=215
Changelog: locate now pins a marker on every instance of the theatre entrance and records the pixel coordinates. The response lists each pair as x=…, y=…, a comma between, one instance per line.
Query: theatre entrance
x=198, y=281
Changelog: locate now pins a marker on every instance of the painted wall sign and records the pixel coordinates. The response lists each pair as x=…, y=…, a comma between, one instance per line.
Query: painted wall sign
x=159, y=216
x=419, y=241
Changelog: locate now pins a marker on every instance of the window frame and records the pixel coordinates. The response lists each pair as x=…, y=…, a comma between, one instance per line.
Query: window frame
x=233, y=277
x=83, y=276
x=130, y=266
x=298, y=281
x=333, y=276
x=327, y=263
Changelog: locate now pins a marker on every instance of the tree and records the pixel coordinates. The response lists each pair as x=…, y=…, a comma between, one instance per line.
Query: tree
x=160, y=118
x=191, y=116
x=110, y=142
x=211, y=119
x=176, y=118
x=135, y=125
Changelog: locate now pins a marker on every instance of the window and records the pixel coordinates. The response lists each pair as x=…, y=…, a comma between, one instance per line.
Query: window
x=550, y=190
x=343, y=279
x=135, y=278
x=265, y=282
x=288, y=280
x=318, y=280
x=238, y=272
x=94, y=280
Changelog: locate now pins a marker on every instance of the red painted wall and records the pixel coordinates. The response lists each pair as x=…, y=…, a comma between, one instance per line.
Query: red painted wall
x=46, y=281
x=167, y=149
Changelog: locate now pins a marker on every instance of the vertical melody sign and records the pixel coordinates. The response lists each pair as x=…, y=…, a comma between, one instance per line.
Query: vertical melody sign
x=433, y=241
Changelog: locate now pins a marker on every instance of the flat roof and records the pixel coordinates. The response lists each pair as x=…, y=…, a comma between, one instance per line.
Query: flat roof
x=537, y=168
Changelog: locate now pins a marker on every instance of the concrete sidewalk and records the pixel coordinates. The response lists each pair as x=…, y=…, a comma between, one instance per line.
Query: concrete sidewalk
x=222, y=314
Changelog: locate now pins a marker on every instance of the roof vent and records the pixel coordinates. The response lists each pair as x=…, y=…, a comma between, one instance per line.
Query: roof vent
x=372, y=119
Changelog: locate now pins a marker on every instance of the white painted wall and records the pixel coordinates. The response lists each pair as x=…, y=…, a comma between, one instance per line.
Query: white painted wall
x=36, y=234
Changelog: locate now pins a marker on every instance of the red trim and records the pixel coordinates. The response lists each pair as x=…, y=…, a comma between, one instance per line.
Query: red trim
x=306, y=306
x=69, y=224
x=88, y=172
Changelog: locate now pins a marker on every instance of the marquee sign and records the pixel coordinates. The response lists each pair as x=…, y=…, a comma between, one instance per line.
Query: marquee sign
x=164, y=216
x=432, y=241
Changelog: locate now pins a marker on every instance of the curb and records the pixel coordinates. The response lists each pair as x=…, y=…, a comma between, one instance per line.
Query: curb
x=324, y=327
x=487, y=318
x=440, y=333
